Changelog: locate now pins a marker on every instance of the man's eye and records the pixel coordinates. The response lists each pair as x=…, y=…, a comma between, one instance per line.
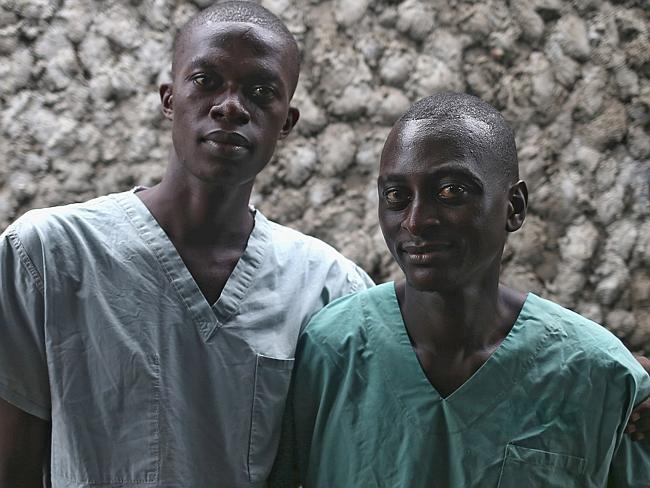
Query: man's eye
x=203, y=81
x=452, y=193
x=396, y=197
x=262, y=92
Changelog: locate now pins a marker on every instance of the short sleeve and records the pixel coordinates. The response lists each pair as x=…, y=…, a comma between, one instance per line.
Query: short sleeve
x=359, y=280
x=23, y=365
x=343, y=278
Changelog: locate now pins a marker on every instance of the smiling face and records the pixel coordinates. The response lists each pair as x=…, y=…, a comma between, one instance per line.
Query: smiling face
x=445, y=204
x=229, y=102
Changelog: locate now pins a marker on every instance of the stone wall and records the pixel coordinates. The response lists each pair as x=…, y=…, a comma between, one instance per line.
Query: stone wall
x=80, y=117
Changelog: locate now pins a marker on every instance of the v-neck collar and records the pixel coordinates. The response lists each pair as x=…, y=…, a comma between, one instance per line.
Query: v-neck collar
x=480, y=393
x=207, y=318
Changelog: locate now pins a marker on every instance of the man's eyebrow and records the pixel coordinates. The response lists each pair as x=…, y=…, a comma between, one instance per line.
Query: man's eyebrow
x=260, y=73
x=461, y=171
x=437, y=173
x=196, y=63
x=267, y=76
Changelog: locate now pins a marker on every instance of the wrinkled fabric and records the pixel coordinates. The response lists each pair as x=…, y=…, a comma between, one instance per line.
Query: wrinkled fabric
x=104, y=331
x=547, y=409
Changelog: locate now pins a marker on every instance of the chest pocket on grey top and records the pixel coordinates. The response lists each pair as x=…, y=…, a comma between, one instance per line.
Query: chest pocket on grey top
x=107, y=432
x=532, y=468
x=272, y=378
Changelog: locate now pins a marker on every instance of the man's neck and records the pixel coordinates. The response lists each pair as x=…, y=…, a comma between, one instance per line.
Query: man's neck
x=470, y=319
x=198, y=213
x=454, y=334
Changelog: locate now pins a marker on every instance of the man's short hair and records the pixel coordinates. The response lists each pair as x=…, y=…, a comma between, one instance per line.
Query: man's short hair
x=239, y=11
x=449, y=107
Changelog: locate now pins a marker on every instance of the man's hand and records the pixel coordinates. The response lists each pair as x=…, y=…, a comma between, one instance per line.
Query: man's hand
x=639, y=424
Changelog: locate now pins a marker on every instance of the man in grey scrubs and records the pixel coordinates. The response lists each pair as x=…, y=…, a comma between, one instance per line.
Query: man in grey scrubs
x=147, y=337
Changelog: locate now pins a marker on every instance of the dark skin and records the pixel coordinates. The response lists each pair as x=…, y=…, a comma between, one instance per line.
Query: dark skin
x=448, y=360
x=23, y=447
x=445, y=216
x=229, y=104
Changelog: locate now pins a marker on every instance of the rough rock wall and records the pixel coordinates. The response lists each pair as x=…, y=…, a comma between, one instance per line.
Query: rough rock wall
x=80, y=117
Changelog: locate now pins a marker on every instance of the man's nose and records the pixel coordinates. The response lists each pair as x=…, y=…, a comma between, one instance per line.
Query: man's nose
x=229, y=106
x=421, y=215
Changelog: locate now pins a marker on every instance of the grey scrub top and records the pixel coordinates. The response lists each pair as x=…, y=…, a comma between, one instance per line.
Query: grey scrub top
x=104, y=332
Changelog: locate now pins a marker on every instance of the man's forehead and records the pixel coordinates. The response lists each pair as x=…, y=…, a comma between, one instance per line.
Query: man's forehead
x=227, y=34
x=462, y=129
x=426, y=145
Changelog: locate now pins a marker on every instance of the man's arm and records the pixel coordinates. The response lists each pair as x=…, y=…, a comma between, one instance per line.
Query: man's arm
x=23, y=447
x=639, y=424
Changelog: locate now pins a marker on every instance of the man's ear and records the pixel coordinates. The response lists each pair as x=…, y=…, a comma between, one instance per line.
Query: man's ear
x=289, y=124
x=166, y=100
x=517, y=206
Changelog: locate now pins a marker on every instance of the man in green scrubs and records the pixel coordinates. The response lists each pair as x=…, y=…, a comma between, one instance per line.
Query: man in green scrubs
x=448, y=378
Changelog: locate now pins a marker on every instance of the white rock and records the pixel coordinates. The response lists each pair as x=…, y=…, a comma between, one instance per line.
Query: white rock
x=299, y=162
x=432, y=75
x=78, y=16
x=53, y=41
x=577, y=246
x=395, y=69
x=119, y=25
x=15, y=73
x=36, y=9
x=353, y=101
x=337, y=146
x=622, y=237
x=349, y=12
x=613, y=277
x=415, y=18
x=572, y=32
x=392, y=105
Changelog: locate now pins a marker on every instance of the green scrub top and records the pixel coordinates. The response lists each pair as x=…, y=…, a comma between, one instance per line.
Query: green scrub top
x=547, y=409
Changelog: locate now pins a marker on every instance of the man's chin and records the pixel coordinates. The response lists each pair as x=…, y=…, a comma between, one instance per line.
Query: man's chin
x=219, y=173
x=429, y=281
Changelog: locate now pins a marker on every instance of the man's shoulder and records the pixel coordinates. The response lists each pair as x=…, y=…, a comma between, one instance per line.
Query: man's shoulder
x=297, y=251
x=581, y=339
x=291, y=240
x=345, y=320
x=570, y=324
x=44, y=222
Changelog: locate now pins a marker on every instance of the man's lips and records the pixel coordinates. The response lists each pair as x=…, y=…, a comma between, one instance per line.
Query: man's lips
x=427, y=252
x=228, y=138
x=426, y=247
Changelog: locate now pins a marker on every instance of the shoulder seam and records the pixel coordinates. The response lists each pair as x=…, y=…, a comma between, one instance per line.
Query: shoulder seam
x=26, y=260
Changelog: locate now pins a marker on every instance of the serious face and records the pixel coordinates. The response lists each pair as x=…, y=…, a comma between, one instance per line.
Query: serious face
x=229, y=102
x=444, y=205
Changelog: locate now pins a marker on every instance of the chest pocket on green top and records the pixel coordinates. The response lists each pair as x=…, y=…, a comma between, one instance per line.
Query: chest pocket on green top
x=532, y=468
x=272, y=378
